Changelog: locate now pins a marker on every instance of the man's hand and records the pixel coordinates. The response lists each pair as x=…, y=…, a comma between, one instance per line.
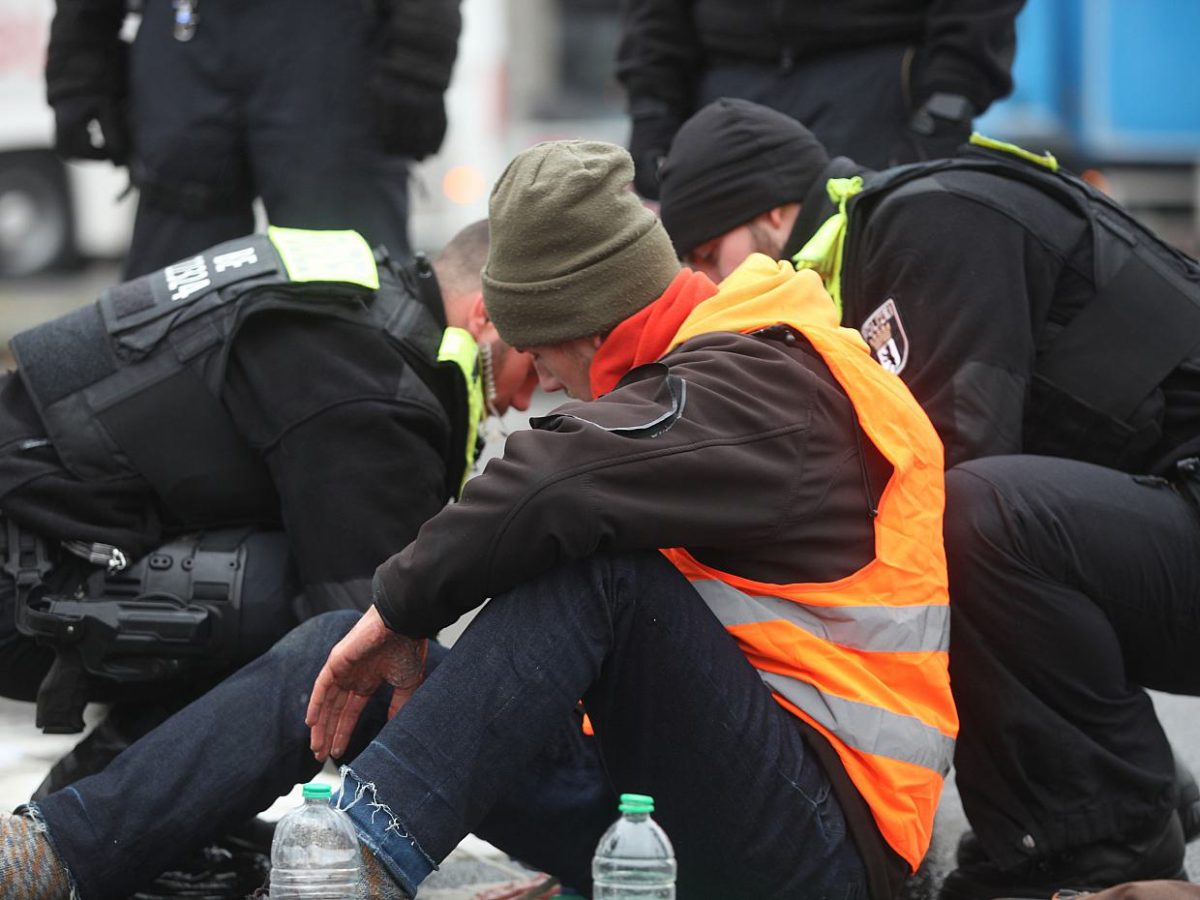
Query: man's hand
x=91, y=128
x=370, y=655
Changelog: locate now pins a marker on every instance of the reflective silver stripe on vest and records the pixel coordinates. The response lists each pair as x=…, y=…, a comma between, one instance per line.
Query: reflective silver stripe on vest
x=882, y=629
x=868, y=728
x=870, y=628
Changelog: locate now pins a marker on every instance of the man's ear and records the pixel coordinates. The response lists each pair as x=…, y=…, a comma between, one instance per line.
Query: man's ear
x=479, y=324
x=775, y=216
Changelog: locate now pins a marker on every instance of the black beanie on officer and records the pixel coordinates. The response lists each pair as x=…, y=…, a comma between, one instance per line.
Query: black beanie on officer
x=730, y=162
x=573, y=251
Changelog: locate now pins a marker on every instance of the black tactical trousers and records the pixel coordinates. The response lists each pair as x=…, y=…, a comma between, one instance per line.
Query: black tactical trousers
x=1073, y=587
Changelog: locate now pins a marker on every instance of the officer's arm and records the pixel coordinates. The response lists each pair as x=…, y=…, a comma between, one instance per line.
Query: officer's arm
x=355, y=484
x=658, y=62
x=355, y=455
x=968, y=51
x=957, y=275
x=86, y=79
x=417, y=44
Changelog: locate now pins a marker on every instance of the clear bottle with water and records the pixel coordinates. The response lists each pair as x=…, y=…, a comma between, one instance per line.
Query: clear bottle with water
x=315, y=851
x=634, y=858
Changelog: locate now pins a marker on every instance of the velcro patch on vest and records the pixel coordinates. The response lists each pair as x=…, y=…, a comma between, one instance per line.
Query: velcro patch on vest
x=884, y=333
x=213, y=269
x=336, y=256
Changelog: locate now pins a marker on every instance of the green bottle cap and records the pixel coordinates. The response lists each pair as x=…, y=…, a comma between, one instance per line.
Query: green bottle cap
x=636, y=803
x=317, y=790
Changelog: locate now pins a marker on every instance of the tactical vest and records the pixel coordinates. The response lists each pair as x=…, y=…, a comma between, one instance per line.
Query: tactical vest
x=131, y=385
x=863, y=660
x=1094, y=382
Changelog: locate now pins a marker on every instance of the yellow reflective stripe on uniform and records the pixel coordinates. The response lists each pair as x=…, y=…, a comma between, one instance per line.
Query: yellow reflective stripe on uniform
x=1046, y=159
x=868, y=728
x=823, y=252
x=878, y=629
x=325, y=256
x=459, y=347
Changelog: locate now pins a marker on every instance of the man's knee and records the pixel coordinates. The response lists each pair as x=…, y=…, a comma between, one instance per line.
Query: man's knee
x=975, y=520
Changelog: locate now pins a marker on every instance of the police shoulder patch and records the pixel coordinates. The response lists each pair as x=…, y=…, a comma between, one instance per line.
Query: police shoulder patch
x=884, y=334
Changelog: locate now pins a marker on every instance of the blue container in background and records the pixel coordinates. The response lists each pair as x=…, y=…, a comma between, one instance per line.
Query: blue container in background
x=1105, y=81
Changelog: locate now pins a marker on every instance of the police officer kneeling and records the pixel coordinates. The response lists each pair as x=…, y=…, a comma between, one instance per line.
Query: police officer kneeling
x=212, y=452
x=1052, y=339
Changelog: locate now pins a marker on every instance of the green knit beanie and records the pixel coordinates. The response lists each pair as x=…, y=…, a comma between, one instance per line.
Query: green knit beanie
x=573, y=252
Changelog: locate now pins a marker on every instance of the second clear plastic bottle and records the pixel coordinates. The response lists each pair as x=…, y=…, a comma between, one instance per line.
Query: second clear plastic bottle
x=634, y=859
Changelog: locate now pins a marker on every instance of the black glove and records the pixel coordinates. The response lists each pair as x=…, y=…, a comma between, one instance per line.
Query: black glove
x=409, y=121
x=936, y=130
x=649, y=141
x=91, y=128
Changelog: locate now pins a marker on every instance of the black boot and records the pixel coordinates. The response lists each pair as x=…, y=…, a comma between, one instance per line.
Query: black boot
x=1156, y=855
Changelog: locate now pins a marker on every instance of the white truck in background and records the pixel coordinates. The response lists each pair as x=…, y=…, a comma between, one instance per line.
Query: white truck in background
x=51, y=213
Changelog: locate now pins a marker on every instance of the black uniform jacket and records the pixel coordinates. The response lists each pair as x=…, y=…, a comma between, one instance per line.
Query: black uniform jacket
x=357, y=448
x=962, y=271
x=963, y=46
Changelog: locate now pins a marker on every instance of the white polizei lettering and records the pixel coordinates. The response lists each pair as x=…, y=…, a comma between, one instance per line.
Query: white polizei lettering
x=187, y=277
x=235, y=259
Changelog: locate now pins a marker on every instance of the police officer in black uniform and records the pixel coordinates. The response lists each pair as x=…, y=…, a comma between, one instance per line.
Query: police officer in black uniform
x=173, y=450
x=1030, y=315
x=883, y=81
x=314, y=106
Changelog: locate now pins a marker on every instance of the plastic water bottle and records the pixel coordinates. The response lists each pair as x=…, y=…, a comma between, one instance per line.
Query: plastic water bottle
x=634, y=858
x=315, y=851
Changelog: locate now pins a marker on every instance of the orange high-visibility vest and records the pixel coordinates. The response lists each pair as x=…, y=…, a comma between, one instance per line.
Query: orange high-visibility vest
x=863, y=660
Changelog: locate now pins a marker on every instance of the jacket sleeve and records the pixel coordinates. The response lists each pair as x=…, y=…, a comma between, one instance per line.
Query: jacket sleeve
x=86, y=56
x=572, y=488
x=355, y=445
x=968, y=49
x=964, y=309
x=659, y=57
x=414, y=60
x=658, y=62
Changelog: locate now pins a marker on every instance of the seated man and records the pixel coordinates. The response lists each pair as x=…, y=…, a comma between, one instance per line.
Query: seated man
x=149, y=439
x=784, y=653
x=1029, y=315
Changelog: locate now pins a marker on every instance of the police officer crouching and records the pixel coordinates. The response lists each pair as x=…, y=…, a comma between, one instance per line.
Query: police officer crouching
x=1052, y=340
x=183, y=461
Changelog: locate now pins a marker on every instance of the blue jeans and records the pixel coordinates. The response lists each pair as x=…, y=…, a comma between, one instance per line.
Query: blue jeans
x=491, y=744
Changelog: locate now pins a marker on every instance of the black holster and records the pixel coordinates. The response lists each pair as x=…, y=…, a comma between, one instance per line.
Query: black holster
x=176, y=609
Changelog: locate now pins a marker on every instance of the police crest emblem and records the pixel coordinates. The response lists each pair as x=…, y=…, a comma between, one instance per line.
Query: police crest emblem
x=884, y=334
